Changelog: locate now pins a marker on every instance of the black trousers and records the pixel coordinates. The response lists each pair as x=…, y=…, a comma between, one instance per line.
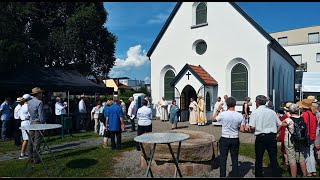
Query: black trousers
x=226, y=144
x=113, y=136
x=266, y=142
x=17, y=132
x=141, y=130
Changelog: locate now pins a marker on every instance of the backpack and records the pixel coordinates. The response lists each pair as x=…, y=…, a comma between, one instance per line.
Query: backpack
x=299, y=137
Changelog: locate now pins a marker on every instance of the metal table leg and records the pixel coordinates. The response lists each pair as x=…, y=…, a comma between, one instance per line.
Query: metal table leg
x=178, y=153
x=150, y=158
x=176, y=162
x=50, y=152
x=35, y=149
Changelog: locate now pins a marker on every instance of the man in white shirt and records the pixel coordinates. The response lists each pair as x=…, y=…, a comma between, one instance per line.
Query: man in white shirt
x=82, y=113
x=24, y=115
x=144, y=116
x=265, y=124
x=17, y=124
x=132, y=113
x=231, y=122
x=60, y=109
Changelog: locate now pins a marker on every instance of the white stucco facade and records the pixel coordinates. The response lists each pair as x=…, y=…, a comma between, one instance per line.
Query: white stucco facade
x=230, y=40
x=308, y=54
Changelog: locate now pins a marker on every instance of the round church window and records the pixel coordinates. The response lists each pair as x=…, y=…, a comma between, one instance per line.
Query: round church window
x=201, y=47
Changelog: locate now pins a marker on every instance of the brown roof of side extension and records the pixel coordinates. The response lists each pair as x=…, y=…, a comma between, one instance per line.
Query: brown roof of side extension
x=203, y=74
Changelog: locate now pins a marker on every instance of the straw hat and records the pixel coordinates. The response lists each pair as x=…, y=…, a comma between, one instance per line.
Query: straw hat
x=19, y=99
x=313, y=98
x=36, y=90
x=287, y=106
x=316, y=105
x=305, y=103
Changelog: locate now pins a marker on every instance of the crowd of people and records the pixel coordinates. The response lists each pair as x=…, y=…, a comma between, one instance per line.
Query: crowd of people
x=296, y=128
x=108, y=118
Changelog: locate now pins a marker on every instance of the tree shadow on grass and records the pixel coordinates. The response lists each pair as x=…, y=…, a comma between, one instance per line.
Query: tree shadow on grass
x=81, y=163
x=75, y=153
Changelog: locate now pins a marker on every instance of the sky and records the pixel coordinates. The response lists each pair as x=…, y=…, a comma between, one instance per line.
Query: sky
x=137, y=24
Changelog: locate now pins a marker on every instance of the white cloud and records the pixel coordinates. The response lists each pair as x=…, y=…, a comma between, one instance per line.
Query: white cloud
x=147, y=80
x=136, y=59
x=160, y=18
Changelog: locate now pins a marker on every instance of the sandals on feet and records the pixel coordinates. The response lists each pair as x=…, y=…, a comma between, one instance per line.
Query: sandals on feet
x=314, y=174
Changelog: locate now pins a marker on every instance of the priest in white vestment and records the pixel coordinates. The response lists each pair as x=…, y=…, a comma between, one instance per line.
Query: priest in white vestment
x=164, y=109
x=193, y=108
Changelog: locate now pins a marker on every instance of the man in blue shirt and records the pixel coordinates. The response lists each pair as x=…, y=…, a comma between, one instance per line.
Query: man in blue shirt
x=115, y=123
x=5, y=117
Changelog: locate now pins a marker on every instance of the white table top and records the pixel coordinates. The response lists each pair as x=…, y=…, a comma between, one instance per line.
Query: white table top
x=36, y=127
x=161, y=137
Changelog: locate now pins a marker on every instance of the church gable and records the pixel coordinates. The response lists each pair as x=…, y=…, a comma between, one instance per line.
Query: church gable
x=191, y=21
x=197, y=71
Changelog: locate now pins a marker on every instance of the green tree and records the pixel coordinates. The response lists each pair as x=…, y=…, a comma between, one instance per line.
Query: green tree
x=57, y=34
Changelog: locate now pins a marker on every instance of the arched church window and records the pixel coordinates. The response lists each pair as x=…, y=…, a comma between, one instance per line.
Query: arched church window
x=208, y=102
x=201, y=13
x=239, y=82
x=168, y=90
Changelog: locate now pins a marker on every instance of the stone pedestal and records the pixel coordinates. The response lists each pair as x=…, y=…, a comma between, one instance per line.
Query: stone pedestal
x=198, y=155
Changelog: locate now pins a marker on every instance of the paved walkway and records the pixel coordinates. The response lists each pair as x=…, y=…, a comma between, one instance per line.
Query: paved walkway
x=157, y=126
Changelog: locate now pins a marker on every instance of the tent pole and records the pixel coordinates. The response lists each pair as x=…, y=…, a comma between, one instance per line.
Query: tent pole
x=68, y=102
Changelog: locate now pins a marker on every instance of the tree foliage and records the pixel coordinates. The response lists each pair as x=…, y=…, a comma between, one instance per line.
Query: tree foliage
x=57, y=34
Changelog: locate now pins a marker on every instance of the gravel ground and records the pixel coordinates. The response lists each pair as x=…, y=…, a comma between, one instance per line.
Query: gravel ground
x=129, y=166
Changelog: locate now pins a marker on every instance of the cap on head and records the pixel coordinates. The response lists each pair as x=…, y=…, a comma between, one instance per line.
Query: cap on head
x=26, y=97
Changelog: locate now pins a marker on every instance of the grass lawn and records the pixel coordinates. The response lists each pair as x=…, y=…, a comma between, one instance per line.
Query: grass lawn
x=7, y=146
x=83, y=162
x=247, y=149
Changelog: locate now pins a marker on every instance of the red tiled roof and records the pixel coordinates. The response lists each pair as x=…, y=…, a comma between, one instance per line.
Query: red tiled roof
x=204, y=75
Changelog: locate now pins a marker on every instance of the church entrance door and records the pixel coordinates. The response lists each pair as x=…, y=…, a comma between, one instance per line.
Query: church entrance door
x=187, y=93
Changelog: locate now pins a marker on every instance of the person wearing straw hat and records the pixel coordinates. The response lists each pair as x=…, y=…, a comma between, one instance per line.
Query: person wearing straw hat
x=25, y=121
x=17, y=124
x=311, y=122
x=35, y=108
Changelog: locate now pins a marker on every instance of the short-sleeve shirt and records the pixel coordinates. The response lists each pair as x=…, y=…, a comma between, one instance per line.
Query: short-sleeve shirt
x=144, y=116
x=114, y=115
x=230, y=121
x=5, y=111
x=264, y=120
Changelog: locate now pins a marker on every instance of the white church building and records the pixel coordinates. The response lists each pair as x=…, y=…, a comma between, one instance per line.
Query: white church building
x=216, y=49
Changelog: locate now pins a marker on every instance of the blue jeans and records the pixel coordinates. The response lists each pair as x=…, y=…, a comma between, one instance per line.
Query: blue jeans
x=4, y=129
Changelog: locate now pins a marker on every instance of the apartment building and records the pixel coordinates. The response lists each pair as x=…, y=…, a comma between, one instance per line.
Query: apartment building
x=303, y=44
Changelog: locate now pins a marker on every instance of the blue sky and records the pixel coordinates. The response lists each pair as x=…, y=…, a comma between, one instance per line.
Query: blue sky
x=136, y=24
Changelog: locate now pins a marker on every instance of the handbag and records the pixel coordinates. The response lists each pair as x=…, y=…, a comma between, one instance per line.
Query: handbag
x=101, y=117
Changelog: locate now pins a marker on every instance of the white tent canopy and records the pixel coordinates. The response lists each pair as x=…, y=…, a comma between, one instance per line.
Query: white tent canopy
x=310, y=82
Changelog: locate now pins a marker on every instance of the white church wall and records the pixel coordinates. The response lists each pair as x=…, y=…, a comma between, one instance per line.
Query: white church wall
x=228, y=36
